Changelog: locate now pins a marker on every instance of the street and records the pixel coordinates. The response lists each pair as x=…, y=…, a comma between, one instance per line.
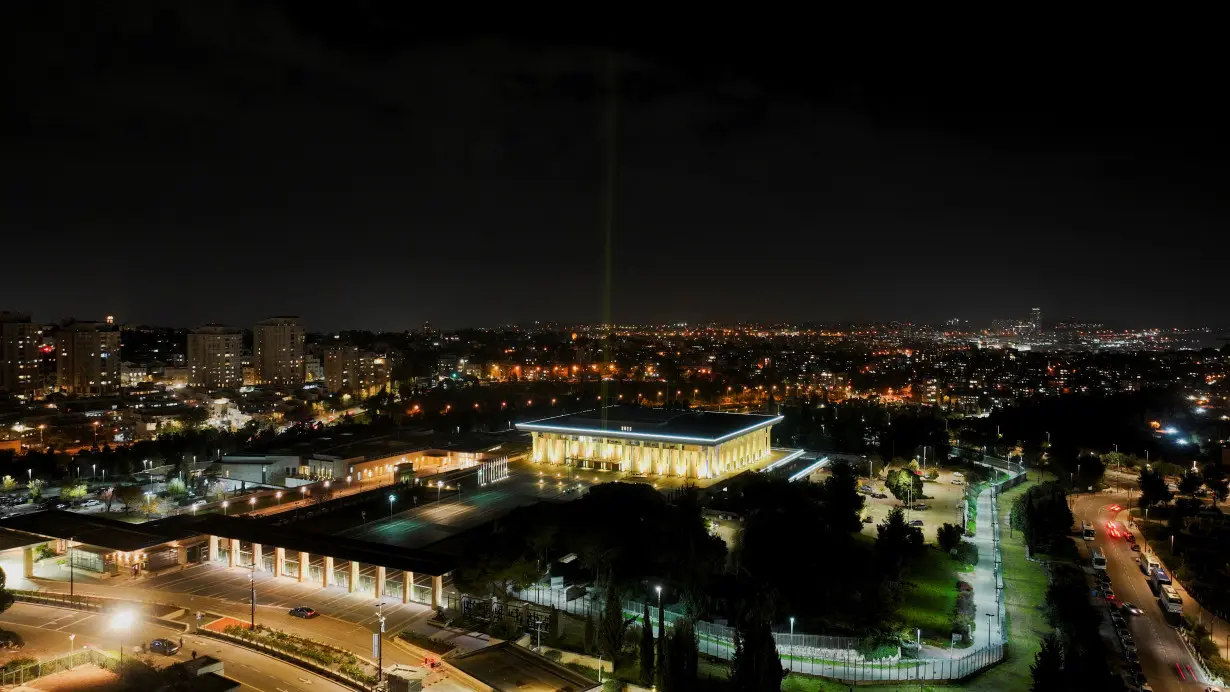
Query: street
x=1158, y=643
x=47, y=629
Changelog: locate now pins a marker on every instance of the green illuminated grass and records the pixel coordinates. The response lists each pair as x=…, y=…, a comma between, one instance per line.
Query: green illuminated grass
x=929, y=605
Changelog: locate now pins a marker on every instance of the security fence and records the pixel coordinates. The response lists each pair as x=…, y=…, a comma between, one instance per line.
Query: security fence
x=24, y=674
x=842, y=658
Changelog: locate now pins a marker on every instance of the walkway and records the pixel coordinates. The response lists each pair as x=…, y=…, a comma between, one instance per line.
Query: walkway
x=986, y=599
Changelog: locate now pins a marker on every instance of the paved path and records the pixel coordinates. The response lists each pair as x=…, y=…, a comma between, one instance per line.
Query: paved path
x=983, y=581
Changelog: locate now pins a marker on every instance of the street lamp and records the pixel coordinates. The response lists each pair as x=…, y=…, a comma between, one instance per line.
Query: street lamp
x=95, y=433
x=30, y=474
x=278, y=496
x=41, y=427
x=252, y=503
x=120, y=623
x=71, y=645
x=791, y=642
x=225, y=504
x=392, y=499
x=93, y=472
x=71, y=571
x=439, y=486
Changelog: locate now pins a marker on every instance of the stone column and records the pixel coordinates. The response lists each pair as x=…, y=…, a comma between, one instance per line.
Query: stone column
x=354, y=576
x=234, y=556
x=257, y=561
x=407, y=583
x=437, y=591
x=303, y=566
x=213, y=549
x=27, y=561
x=380, y=575
x=279, y=559
x=327, y=577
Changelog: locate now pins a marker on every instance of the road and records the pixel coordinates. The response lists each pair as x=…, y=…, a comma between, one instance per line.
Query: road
x=46, y=631
x=1160, y=647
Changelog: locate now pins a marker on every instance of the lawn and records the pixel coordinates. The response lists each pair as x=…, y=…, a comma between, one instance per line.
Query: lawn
x=929, y=605
x=1025, y=590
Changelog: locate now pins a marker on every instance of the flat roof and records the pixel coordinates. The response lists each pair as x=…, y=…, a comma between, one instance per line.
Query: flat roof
x=99, y=531
x=507, y=667
x=338, y=547
x=638, y=422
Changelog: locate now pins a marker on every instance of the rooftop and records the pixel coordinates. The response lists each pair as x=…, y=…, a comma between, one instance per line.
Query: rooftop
x=507, y=667
x=637, y=422
x=93, y=530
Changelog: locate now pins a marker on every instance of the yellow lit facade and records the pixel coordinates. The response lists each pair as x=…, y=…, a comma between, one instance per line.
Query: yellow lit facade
x=654, y=442
x=686, y=460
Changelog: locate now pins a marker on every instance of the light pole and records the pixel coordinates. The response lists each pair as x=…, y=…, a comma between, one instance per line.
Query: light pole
x=71, y=570
x=392, y=499
x=225, y=504
x=380, y=644
x=71, y=647
x=252, y=591
x=600, y=660
x=251, y=504
x=988, y=629
x=278, y=497
x=120, y=623
x=439, y=486
x=41, y=427
x=95, y=433
x=30, y=475
x=792, y=642
x=93, y=472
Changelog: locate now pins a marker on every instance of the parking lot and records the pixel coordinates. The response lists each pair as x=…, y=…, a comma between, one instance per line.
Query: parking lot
x=942, y=498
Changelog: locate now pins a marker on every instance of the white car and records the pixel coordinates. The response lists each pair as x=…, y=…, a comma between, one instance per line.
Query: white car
x=958, y=481
x=199, y=503
x=91, y=503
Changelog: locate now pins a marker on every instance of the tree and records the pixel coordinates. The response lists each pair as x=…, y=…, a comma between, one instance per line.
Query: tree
x=73, y=492
x=130, y=495
x=192, y=418
x=6, y=598
x=949, y=537
x=107, y=496
x=176, y=488
x=8, y=484
x=1047, y=669
x=840, y=502
x=756, y=666
x=895, y=542
x=646, y=673
x=1153, y=490
x=35, y=487
x=1190, y=483
x=904, y=485
x=613, y=625
x=158, y=506
x=681, y=658
x=590, y=642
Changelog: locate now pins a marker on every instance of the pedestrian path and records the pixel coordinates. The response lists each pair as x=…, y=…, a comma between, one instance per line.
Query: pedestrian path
x=983, y=580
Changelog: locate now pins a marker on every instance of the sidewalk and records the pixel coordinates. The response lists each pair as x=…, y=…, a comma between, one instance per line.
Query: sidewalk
x=983, y=581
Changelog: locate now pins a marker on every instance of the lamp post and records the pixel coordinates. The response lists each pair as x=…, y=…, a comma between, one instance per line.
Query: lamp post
x=41, y=427
x=792, y=642
x=252, y=592
x=251, y=504
x=120, y=623
x=71, y=647
x=392, y=499
x=380, y=644
x=95, y=433
x=278, y=497
x=71, y=570
x=439, y=487
x=30, y=474
x=93, y=472
x=225, y=504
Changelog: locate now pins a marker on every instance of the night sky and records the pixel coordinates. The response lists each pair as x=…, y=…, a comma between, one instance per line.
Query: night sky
x=172, y=164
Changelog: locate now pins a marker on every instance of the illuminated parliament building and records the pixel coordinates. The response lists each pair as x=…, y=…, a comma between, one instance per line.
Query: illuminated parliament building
x=643, y=441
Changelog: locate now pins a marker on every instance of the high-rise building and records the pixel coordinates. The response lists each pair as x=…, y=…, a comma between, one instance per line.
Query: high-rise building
x=214, y=357
x=277, y=351
x=88, y=359
x=1035, y=317
x=349, y=370
x=21, y=342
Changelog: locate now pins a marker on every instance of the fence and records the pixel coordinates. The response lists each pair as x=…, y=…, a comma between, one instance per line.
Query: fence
x=828, y=656
x=59, y=664
x=63, y=600
x=319, y=669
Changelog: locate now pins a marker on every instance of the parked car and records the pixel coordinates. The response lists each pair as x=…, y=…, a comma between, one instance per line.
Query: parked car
x=1136, y=547
x=1108, y=593
x=865, y=489
x=958, y=481
x=916, y=522
x=166, y=647
x=921, y=506
x=92, y=503
x=1130, y=656
x=303, y=612
x=1129, y=644
x=879, y=496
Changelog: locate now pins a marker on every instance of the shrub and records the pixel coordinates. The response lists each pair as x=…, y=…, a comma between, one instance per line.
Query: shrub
x=591, y=673
x=18, y=663
x=43, y=552
x=554, y=655
x=11, y=640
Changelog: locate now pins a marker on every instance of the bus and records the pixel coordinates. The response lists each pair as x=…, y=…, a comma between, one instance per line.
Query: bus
x=1170, y=600
x=1088, y=532
x=1147, y=563
x=1158, y=578
x=1099, y=559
